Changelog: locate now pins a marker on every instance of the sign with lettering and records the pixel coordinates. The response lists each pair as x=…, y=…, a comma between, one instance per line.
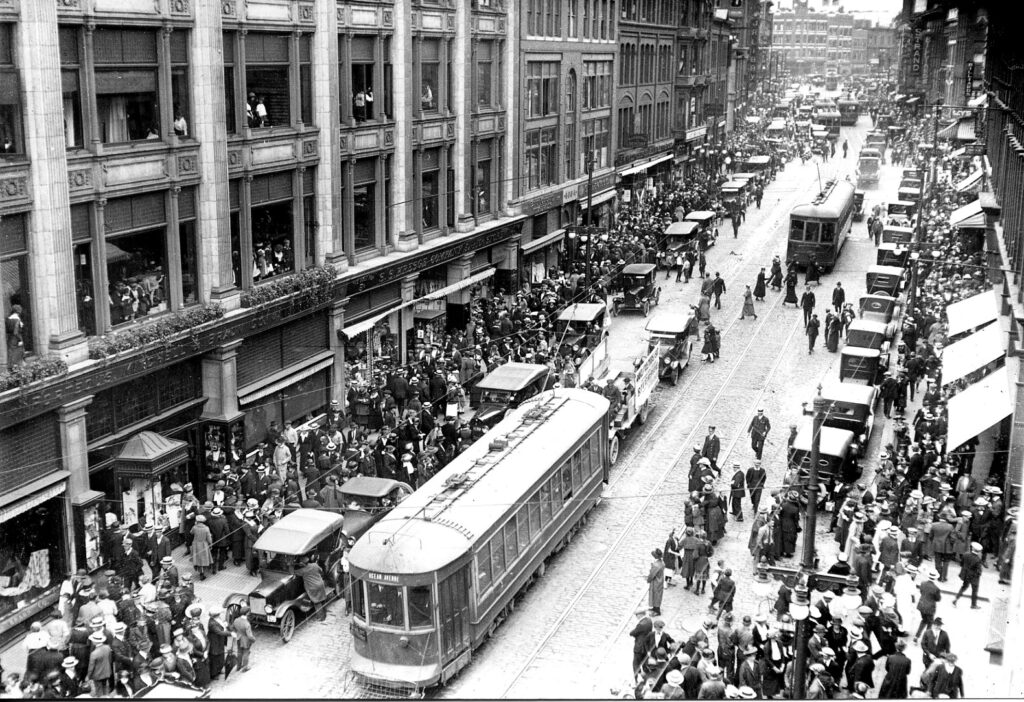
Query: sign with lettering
x=570, y=194
x=969, y=81
x=917, y=52
x=382, y=577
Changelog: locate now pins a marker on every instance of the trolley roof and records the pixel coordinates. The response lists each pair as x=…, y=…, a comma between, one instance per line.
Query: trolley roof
x=439, y=522
x=829, y=204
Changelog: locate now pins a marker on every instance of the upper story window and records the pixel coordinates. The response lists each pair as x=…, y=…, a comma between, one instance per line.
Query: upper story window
x=485, y=93
x=597, y=78
x=543, y=18
x=127, y=80
x=541, y=88
x=71, y=92
x=431, y=75
x=12, y=140
x=268, y=98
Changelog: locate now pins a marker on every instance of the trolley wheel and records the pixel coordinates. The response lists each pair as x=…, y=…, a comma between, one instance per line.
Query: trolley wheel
x=288, y=626
x=645, y=411
x=613, y=449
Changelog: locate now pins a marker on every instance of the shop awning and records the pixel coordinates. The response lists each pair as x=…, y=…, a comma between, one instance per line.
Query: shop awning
x=957, y=153
x=276, y=382
x=597, y=198
x=33, y=494
x=644, y=166
x=148, y=454
x=971, y=181
x=973, y=312
x=965, y=130
x=979, y=407
x=947, y=132
x=971, y=353
x=471, y=280
x=914, y=100
x=980, y=101
x=970, y=216
x=544, y=241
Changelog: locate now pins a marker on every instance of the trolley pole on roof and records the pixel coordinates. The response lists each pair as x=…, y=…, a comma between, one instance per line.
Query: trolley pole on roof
x=807, y=564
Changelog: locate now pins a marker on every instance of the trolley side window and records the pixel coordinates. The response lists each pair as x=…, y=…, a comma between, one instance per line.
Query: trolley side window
x=483, y=567
x=545, y=504
x=497, y=556
x=796, y=230
x=566, y=472
x=523, y=524
x=595, y=453
x=511, y=549
x=387, y=604
x=420, y=606
x=535, y=523
x=358, y=600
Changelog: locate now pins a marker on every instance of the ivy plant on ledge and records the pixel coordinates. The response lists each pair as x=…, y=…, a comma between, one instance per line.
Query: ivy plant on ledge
x=32, y=371
x=311, y=287
x=163, y=329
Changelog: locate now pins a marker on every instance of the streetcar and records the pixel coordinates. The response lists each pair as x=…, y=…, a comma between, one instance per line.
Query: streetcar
x=818, y=229
x=436, y=577
x=849, y=111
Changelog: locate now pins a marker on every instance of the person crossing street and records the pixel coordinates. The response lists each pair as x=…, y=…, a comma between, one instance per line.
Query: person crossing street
x=758, y=430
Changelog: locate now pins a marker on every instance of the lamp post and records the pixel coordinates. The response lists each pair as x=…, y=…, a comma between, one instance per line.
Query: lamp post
x=570, y=233
x=800, y=610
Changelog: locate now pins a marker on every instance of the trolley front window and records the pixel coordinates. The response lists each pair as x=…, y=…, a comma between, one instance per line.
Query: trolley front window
x=796, y=230
x=828, y=232
x=810, y=231
x=358, y=600
x=387, y=605
x=420, y=609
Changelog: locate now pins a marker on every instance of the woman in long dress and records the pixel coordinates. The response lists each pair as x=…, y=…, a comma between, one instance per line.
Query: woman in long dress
x=748, y=304
x=710, y=349
x=671, y=557
x=704, y=310
x=832, y=325
x=776, y=278
x=791, y=289
x=759, y=286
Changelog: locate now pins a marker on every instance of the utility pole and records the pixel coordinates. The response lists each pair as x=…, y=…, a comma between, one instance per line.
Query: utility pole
x=807, y=564
x=590, y=213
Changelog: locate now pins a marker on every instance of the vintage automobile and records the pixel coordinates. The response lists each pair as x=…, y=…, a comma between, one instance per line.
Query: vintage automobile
x=505, y=388
x=861, y=365
x=893, y=234
x=858, y=205
x=836, y=459
x=901, y=210
x=671, y=334
x=639, y=292
x=679, y=236
x=733, y=192
x=367, y=500
x=583, y=324
x=705, y=220
x=910, y=189
x=882, y=308
x=890, y=254
x=168, y=689
x=851, y=407
x=280, y=599
x=869, y=334
x=916, y=173
x=876, y=139
x=885, y=279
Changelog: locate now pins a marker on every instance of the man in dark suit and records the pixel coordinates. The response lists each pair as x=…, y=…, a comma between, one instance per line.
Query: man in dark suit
x=927, y=602
x=897, y=671
x=44, y=660
x=756, y=476
x=159, y=546
x=948, y=680
x=970, y=574
x=737, y=493
x=218, y=635
x=749, y=673
x=643, y=638
x=712, y=447
x=940, y=533
x=934, y=643
x=758, y=430
x=863, y=668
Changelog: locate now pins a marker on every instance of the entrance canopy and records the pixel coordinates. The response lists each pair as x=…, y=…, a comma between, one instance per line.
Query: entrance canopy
x=979, y=407
x=970, y=216
x=971, y=313
x=148, y=454
x=971, y=353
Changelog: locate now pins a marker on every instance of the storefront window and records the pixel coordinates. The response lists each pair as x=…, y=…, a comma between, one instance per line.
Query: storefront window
x=32, y=555
x=268, y=96
x=126, y=84
x=273, y=252
x=11, y=136
x=70, y=90
x=16, y=281
x=387, y=605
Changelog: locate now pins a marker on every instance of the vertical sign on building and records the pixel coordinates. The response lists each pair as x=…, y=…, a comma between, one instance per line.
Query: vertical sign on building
x=917, y=52
x=969, y=82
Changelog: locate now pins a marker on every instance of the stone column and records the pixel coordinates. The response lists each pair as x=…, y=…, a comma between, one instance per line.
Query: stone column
x=220, y=382
x=337, y=323
x=401, y=176
x=459, y=270
x=209, y=127
x=53, y=306
x=74, y=443
x=510, y=159
x=330, y=243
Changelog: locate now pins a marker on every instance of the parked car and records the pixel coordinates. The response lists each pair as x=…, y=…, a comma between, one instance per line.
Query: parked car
x=851, y=407
x=367, y=500
x=836, y=459
x=640, y=291
x=280, y=599
x=504, y=388
x=671, y=333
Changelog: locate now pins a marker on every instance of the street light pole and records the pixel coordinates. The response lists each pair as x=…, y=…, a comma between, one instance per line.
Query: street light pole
x=807, y=564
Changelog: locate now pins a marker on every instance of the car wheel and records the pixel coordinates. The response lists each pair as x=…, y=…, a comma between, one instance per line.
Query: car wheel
x=232, y=611
x=647, y=307
x=644, y=412
x=675, y=376
x=288, y=626
x=613, y=450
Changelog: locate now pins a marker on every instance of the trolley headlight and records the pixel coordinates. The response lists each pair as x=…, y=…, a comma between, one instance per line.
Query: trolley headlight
x=269, y=609
x=403, y=641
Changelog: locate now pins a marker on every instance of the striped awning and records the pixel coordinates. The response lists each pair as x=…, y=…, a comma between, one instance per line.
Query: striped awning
x=32, y=495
